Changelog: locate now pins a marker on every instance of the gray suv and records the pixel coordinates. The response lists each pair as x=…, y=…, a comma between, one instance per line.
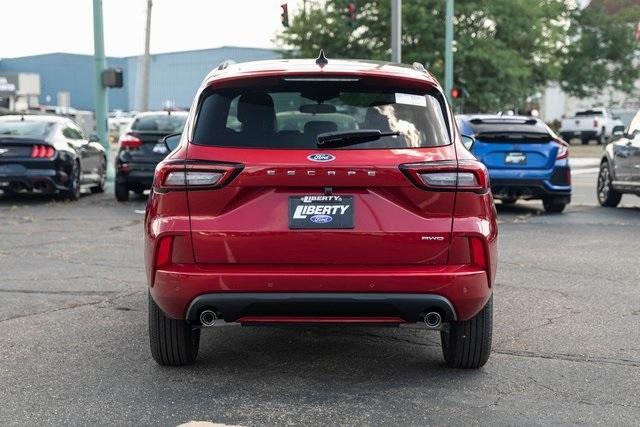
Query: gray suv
x=620, y=165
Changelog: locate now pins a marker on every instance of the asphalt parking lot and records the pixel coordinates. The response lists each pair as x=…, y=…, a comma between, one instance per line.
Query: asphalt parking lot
x=74, y=350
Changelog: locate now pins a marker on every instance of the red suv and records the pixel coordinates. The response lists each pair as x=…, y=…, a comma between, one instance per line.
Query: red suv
x=320, y=192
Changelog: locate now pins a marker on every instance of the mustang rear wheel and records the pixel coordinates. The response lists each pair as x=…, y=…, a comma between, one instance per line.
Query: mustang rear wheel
x=607, y=195
x=467, y=344
x=73, y=191
x=173, y=342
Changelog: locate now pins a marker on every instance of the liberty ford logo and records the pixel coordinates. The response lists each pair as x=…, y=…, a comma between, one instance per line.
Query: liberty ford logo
x=321, y=219
x=321, y=157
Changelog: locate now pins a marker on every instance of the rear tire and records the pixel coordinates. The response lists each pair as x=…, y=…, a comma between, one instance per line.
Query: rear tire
x=73, y=192
x=467, y=344
x=551, y=206
x=585, y=141
x=173, y=342
x=607, y=195
x=122, y=191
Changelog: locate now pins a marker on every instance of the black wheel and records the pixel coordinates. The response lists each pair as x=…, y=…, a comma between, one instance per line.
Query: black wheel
x=73, y=191
x=552, y=206
x=173, y=342
x=607, y=195
x=122, y=191
x=585, y=141
x=99, y=188
x=508, y=202
x=467, y=344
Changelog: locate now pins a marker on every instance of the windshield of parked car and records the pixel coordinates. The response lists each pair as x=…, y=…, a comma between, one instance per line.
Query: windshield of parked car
x=25, y=128
x=290, y=114
x=166, y=123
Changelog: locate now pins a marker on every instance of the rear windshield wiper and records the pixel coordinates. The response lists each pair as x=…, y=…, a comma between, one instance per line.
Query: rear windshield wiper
x=351, y=137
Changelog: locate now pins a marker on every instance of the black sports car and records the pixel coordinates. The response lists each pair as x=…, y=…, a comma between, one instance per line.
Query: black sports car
x=49, y=155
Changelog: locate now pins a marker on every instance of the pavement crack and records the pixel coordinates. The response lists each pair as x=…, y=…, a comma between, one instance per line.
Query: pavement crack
x=35, y=291
x=74, y=306
x=569, y=357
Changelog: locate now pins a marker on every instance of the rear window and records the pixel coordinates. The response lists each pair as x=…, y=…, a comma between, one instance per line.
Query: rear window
x=25, y=128
x=589, y=113
x=166, y=123
x=504, y=128
x=290, y=114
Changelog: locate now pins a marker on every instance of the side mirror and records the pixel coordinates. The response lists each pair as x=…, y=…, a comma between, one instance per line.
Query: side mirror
x=617, y=131
x=468, y=141
x=94, y=137
x=172, y=141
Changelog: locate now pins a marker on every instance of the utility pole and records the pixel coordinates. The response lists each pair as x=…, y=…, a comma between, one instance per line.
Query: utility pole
x=144, y=77
x=396, y=30
x=102, y=103
x=448, y=50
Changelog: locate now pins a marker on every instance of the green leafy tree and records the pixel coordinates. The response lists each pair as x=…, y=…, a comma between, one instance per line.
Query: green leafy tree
x=602, y=48
x=505, y=49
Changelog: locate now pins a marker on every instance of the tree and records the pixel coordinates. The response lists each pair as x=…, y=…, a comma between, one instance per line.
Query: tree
x=505, y=49
x=602, y=48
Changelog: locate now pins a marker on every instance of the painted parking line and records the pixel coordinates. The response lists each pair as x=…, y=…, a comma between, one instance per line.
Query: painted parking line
x=584, y=171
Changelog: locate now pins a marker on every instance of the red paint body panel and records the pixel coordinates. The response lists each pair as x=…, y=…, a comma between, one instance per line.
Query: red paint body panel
x=328, y=320
x=465, y=286
x=236, y=238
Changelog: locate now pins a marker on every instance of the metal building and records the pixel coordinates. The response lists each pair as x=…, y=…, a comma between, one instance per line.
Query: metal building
x=174, y=77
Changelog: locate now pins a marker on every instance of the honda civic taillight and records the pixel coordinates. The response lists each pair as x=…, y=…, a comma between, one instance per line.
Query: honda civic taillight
x=465, y=175
x=563, y=150
x=194, y=175
x=42, y=151
x=130, y=142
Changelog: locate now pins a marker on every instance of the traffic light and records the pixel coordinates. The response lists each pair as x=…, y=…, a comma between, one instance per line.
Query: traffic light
x=285, y=15
x=351, y=13
x=458, y=92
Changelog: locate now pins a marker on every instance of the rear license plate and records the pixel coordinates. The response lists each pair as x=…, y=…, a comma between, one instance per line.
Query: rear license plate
x=516, y=159
x=321, y=212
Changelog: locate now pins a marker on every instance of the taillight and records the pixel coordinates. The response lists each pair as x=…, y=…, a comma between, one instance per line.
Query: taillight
x=163, y=251
x=130, y=142
x=42, y=151
x=465, y=175
x=194, y=175
x=563, y=150
x=595, y=123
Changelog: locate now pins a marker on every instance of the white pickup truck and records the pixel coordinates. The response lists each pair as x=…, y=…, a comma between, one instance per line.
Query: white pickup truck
x=593, y=124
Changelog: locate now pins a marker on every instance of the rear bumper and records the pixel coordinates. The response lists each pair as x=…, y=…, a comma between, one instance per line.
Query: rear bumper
x=531, y=184
x=458, y=291
x=31, y=180
x=582, y=134
x=272, y=307
x=136, y=175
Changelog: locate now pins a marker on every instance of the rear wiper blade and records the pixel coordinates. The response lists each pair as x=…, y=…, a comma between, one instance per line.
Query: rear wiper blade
x=351, y=137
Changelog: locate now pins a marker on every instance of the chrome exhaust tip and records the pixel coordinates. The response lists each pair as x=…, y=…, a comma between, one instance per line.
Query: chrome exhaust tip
x=208, y=318
x=432, y=319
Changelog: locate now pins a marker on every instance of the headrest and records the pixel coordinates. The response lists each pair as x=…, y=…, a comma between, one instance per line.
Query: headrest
x=256, y=109
x=318, y=127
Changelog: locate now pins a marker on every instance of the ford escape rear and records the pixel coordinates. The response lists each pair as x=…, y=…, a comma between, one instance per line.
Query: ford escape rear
x=311, y=193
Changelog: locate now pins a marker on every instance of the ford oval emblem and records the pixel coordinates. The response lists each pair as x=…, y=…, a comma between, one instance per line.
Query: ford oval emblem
x=321, y=219
x=321, y=157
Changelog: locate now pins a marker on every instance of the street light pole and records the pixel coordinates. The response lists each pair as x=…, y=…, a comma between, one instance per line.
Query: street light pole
x=144, y=101
x=396, y=30
x=448, y=50
x=102, y=103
